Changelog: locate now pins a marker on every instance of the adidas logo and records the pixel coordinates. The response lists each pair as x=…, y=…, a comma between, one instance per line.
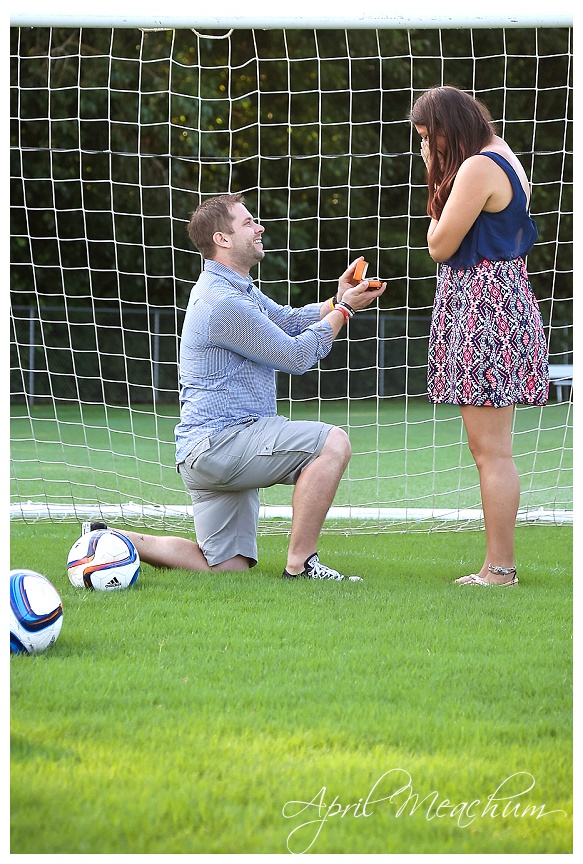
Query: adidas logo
x=113, y=583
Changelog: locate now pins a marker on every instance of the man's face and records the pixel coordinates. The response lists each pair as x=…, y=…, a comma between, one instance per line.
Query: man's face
x=243, y=244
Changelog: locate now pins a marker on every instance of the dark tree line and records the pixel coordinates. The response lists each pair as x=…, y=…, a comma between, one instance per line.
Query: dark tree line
x=116, y=136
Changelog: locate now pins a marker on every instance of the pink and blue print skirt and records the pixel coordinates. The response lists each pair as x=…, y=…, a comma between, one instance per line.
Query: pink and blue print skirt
x=486, y=343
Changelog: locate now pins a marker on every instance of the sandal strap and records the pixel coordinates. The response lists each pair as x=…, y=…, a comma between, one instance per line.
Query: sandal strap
x=502, y=571
x=477, y=580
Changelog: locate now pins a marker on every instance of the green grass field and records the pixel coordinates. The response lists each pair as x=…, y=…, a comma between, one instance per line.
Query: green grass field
x=239, y=713
x=97, y=455
x=243, y=714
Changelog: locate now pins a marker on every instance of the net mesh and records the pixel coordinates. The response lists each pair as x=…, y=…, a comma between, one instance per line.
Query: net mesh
x=118, y=134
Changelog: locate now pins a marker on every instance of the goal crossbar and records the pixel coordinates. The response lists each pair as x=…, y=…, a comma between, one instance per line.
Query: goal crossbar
x=323, y=15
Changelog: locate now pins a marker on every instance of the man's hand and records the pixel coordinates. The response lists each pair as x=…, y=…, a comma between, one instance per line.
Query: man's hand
x=358, y=295
x=362, y=295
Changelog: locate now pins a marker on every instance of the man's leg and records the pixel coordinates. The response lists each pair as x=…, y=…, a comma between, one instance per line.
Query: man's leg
x=310, y=455
x=313, y=496
x=226, y=527
x=178, y=553
x=172, y=553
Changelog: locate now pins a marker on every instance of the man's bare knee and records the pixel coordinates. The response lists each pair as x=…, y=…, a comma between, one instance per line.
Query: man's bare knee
x=338, y=444
x=238, y=562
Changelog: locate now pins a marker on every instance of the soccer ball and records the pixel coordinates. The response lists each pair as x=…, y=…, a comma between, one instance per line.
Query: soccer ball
x=103, y=560
x=36, y=612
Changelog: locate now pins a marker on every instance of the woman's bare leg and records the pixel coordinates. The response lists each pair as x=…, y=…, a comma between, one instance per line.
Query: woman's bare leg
x=489, y=432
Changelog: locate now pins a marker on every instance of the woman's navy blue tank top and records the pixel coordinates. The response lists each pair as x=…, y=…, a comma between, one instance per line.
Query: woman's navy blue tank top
x=502, y=236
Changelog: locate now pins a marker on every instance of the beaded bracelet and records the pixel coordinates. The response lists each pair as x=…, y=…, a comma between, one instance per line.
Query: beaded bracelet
x=344, y=306
x=340, y=307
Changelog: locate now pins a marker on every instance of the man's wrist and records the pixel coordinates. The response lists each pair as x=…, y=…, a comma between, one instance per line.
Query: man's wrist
x=344, y=307
x=341, y=307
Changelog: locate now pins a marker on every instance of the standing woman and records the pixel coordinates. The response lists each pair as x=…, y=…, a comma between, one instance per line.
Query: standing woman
x=487, y=349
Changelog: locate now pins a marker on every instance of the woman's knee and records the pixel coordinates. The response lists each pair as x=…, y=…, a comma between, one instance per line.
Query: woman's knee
x=487, y=449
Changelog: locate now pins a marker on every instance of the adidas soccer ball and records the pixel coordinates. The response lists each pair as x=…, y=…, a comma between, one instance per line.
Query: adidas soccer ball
x=103, y=560
x=36, y=612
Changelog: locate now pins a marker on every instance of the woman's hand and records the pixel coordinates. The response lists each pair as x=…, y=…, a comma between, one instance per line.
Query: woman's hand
x=425, y=151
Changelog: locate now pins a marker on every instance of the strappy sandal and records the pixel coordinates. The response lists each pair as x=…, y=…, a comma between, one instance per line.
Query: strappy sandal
x=473, y=579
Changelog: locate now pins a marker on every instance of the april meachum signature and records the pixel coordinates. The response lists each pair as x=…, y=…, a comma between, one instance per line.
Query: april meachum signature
x=501, y=803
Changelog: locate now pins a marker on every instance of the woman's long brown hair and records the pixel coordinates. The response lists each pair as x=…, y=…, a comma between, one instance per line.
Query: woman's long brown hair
x=466, y=125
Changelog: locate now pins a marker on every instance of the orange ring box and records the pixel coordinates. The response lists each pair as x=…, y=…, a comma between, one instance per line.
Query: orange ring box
x=360, y=274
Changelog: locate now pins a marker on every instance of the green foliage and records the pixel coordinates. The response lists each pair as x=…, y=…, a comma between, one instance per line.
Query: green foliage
x=184, y=715
x=117, y=135
x=133, y=128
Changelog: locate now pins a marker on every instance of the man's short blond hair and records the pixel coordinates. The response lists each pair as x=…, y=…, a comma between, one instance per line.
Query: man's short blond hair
x=214, y=214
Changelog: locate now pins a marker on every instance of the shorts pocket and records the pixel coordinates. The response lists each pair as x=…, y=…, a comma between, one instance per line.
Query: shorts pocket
x=268, y=437
x=201, y=447
x=216, y=468
x=267, y=444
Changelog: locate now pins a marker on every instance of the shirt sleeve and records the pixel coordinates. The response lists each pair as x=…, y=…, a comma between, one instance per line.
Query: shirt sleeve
x=257, y=333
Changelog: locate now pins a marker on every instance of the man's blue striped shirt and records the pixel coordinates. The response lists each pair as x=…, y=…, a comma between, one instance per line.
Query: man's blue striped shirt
x=233, y=339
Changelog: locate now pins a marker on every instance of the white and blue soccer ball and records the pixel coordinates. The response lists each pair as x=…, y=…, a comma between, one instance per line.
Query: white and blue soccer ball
x=36, y=612
x=103, y=560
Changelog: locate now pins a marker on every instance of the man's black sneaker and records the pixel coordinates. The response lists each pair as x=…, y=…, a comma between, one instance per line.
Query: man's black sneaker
x=87, y=527
x=313, y=569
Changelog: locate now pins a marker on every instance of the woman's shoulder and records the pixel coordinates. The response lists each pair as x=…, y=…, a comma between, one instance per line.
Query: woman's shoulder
x=491, y=175
x=476, y=169
x=501, y=148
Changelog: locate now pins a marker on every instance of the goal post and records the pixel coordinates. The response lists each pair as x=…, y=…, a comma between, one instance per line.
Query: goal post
x=122, y=124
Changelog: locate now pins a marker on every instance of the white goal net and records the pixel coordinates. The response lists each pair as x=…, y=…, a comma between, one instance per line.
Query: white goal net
x=119, y=128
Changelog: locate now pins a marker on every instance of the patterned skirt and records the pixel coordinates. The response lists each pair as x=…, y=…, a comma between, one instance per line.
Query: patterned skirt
x=487, y=344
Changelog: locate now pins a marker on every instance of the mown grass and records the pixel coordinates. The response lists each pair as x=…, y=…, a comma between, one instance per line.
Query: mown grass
x=185, y=714
x=405, y=454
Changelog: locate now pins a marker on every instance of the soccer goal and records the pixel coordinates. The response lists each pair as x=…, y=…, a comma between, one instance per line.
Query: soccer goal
x=121, y=125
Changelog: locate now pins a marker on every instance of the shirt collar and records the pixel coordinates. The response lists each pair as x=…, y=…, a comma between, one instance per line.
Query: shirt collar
x=243, y=283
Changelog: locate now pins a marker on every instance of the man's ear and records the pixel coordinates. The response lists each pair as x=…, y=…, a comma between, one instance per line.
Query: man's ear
x=221, y=239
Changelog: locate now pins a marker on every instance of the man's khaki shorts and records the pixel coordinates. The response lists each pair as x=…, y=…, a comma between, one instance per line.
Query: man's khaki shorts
x=225, y=473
